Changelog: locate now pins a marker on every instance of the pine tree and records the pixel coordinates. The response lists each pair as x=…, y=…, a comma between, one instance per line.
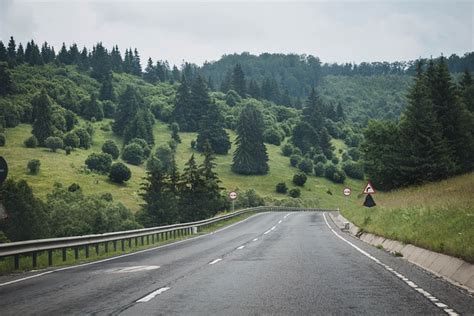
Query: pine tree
x=175, y=74
x=84, y=62
x=33, y=55
x=116, y=60
x=3, y=52
x=128, y=61
x=226, y=84
x=74, y=54
x=212, y=197
x=93, y=109
x=6, y=83
x=141, y=126
x=107, y=89
x=211, y=131
x=47, y=53
x=43, y=126
x=136, y=65
x=63, y=55
x=424, y=155
x=20, y=54
x=238, y=80
x=467, y=90
x=11, y=52
x=150, y=72
x=251, y=156
x=254, y=89
x=200, y=102
x=182, y=112
x=100, y=62
x=129, y=103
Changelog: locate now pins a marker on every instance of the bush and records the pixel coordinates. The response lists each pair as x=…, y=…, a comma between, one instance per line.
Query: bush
x=99, y=162
x=320, y=158
x=74, y=187
x=299, y=179
x=109, y=108
x=319, y=169
x=133, y=153
x=306, y=165
x=287, y=150
x=143, y=144
x=119, y=173
x=109, y=147
x=85, y=139
x=354, y=153
x=193, y=144
x=295, y=160
x=175, y=132
x=34, y=166
x=295, y=193
x=354, y=170
x=331, y=172
x=335, y=160
x=281, y=188
x=68, y=150
x=271, y=136
x=2, y=139
x=54, y=143
x=72, y=140
x=31, y=142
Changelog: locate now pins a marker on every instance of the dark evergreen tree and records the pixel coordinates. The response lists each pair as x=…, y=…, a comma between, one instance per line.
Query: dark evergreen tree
x=11, y=52
x=74, y=54
x=182, y=112
x=200, y=102
x=6, y=82
x=193, y=188
x=93, y=109
x=136, y=66
x=175, y=74
x=128, y=61
x=175, y=132
x=33, y=55
x=467, y=90
x=63, y=55
x=43, y=126
x=150, y=72
x=84, y=62
x=3, y=53
x=211, y=131
x=141, y=126
x=226, y=84
x=250, y=156
x=20, y=54
x=116, y=59
x=238, y=80
x=254, y=90
x=100, y=62
x=47, y=53
x=107, y=89
x=129, y=103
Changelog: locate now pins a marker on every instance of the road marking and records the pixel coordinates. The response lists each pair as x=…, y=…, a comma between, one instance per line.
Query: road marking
x=241, y=247
x=429, y=296
x=131, y=269
x=215, y=261
x=255, y=239
x=128, y=254
x=152, y=295
x=287, y=215
x=279, y=222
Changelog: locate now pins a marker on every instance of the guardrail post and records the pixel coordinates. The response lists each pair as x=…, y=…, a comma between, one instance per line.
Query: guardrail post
x=147, y=239
x=64, y=254
x=76, y=253
x=174, y=234
x=87, y=251
x=17, y=262
x=130, y=243
x=115, y=245
x=50, y=257
x=34, y=258
x=123, y=245
x=97, y=249
x=143, y=240
x=106, y=247
x=157, y=237
x=153, y=238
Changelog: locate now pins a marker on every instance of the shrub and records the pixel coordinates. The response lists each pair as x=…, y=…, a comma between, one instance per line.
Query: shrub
x=54, y=143
x=74, y=187
x=143, y=144
x=68, y=150
x=85, y=139
x=271, y=136
x=306, y=165
x=2, y=139
x=295, y=193
x=354, y=170
x=299, y=179
x=320, y=158
x=109, y=108
x=31, y=142
x=295, y=160
x=281, y=188
x=354, y=153
x=331, y=172
x=193, y=144
x=335, y=160
x=287, y=150
x=175, y=132
x=133, y=153
x=119, y=173
x=319, y=169
x=72, y=140
x=34, y=166
x=109, y=147
x=99, y=162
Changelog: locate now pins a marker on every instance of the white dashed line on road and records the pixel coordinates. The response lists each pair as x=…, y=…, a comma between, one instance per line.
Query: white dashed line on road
x=255, y=239
x=241, y=247
x=215, y=261
x=152, y=295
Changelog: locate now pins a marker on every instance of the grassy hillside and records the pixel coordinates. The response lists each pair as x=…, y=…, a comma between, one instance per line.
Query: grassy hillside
x=67, y=169
x=437, y=216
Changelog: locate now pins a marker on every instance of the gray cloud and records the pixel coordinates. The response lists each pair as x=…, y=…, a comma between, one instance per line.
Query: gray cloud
x=338, y=31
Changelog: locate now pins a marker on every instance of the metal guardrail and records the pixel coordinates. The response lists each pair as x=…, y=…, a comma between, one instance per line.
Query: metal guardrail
x=33, y=247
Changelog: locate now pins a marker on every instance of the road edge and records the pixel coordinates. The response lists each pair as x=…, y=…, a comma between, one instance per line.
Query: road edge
x=454, y=270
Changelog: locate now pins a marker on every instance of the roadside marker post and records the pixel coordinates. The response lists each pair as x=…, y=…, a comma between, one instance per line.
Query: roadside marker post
x=233, y=197
x=369, y=190
x=347, y=193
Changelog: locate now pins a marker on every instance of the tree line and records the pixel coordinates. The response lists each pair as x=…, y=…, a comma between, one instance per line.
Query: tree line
x=433, y=140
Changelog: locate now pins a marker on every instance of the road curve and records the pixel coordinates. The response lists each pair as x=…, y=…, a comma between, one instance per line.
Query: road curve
x=272, y=263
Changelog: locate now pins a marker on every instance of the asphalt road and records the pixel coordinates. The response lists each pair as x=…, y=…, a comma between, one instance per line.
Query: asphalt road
x=272, y=263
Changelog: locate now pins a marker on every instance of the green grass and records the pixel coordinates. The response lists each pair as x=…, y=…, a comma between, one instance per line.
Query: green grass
x=437, y=216
x=67, y=169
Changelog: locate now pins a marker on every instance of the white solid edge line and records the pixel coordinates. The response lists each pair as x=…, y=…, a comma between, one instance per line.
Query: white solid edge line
x=427, y=295
x=152, y=295
x=125, y=255
x=215, y=261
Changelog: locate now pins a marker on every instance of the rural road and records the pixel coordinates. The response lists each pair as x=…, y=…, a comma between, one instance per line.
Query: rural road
x=272, y=263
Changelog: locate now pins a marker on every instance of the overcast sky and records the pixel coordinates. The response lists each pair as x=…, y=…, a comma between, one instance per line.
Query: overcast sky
x=196, y=31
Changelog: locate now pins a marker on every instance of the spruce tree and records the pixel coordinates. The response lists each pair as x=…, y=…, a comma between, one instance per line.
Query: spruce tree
x=424, y=155
x=141, y=126
x=84, y=63
x=193, y=193
x=250, y=156
x=43, y=126
x=182, y=112
x=116, y=59
x=74, y=54
x=212, y=190
x=93, y=109
x=238, y=80
x=150, y=72
x=254, y=89
x=63, y=55
x=107, y=89
x=100, y=62
x=211, y=131
x=11, y=52
x=3, y=52
x=129, y=103
x=6, y=82
x=467, y=90
x=20, y=54
x=200, y=101
x=136, y=66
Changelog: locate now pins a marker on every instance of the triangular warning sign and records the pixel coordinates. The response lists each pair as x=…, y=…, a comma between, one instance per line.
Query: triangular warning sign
x=369, y=189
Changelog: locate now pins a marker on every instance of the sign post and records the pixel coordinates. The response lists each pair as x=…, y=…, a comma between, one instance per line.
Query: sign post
x=347, y=193
x=369, y=200
x=233, y=196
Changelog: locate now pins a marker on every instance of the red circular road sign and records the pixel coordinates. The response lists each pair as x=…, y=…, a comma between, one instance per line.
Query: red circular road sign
x=233, y=195
x=347, y=191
